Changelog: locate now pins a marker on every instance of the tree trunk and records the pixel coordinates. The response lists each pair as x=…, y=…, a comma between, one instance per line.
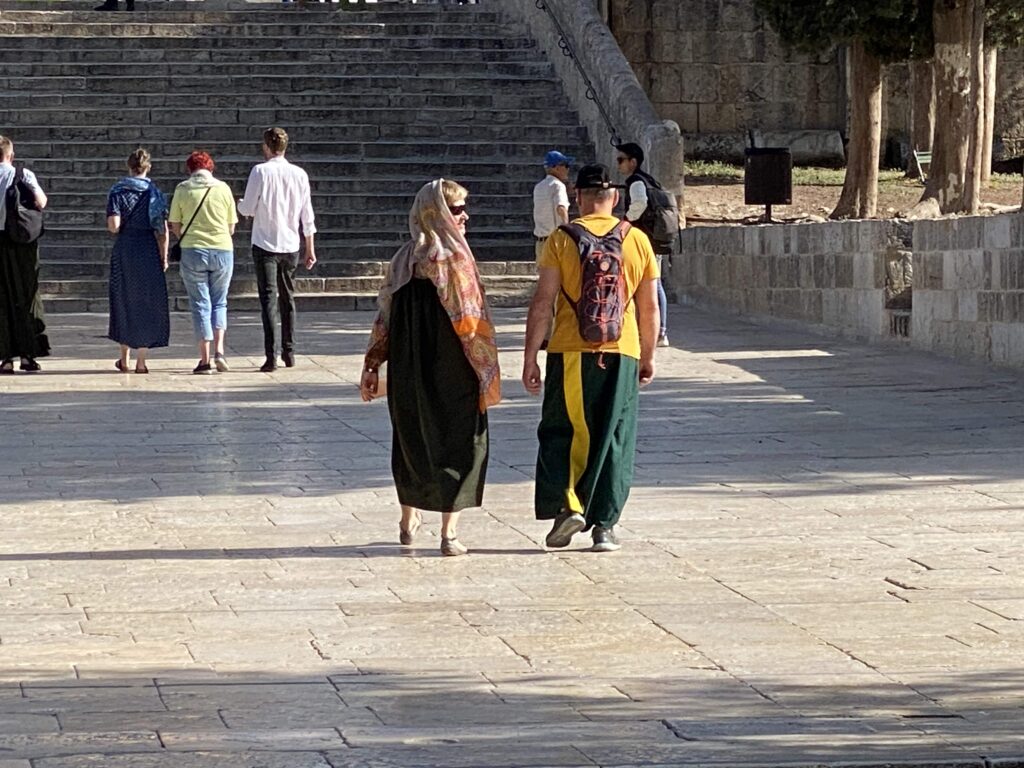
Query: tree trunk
x=859, y=198
x=976, y=145
x=991, y=62
x=922, y=110
x=953, y=23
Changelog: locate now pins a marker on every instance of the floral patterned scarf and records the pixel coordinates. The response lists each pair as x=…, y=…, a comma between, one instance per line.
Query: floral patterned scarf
x=442, y=256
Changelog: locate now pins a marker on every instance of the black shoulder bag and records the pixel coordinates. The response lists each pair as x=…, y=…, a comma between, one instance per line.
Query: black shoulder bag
x=174, y=254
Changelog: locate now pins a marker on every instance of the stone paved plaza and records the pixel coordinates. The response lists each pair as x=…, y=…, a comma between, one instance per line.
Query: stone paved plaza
x=822, y=565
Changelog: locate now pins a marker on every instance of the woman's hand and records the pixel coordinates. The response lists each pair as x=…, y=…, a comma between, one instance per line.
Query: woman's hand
x=368, y=385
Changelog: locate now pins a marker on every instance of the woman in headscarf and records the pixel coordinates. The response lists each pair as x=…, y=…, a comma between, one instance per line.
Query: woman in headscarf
x=434, y=331
x=137, y=214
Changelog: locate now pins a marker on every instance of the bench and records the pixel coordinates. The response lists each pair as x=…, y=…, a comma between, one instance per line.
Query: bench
x=923, y=161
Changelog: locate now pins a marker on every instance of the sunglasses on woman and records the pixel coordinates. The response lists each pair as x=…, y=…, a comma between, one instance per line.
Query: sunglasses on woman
x=457, y=210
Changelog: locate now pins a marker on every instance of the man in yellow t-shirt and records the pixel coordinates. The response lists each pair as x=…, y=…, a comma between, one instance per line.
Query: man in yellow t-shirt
x=588, y=425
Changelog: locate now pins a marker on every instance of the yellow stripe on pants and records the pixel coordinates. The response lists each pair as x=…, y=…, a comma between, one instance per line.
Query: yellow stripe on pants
x=579, y=450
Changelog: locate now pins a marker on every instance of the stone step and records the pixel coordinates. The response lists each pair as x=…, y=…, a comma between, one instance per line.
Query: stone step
x=243, y=285
x=385, y=69
x=222, y=134
x=139, y=27
x=515, y=247
x=135, y=119
x=197, y=13
x=312, y=302
x=315, y=151
x=407, y=56
x=506, y=185
x=85, y=270
x=329, y=219
x=305, y=43
x=337, y=84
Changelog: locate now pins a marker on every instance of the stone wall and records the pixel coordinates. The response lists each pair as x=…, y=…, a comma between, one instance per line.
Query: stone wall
x=969, y=288
x=830, y=275
x=715, y=67
x=853, y=279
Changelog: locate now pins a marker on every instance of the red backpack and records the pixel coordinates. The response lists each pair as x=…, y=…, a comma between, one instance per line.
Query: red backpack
x=602, y=304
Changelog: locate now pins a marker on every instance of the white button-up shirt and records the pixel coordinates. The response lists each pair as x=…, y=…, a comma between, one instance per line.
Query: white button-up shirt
x=277, y=197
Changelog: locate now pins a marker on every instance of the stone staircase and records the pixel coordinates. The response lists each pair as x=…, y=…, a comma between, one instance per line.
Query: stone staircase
x=377, y=99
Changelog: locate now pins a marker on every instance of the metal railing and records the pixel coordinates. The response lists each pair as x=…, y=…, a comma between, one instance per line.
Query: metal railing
x=591, y=91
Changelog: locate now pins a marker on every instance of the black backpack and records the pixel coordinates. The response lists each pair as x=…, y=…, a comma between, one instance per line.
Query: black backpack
x=602, y=304
x=24, y=222
x=660, y=220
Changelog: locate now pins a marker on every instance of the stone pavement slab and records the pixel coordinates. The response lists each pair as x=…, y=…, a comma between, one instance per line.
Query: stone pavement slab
x=822, y=565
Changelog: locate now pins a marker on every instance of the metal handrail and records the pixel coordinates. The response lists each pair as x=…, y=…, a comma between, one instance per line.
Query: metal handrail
x=591, y=92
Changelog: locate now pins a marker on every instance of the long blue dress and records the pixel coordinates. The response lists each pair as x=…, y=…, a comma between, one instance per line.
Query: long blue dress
x=138, y=289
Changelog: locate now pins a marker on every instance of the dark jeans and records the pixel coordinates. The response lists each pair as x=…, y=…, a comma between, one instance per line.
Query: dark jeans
x=275, y=281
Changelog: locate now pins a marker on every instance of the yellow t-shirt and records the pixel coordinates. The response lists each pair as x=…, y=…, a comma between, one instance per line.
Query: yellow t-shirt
x=638, y=264
x=212, y=226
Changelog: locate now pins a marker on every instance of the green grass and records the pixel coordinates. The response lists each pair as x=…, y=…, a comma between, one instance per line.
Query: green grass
x=700, y=172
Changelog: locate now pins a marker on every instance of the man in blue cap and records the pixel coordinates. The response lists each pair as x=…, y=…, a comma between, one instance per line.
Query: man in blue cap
x=550, y=199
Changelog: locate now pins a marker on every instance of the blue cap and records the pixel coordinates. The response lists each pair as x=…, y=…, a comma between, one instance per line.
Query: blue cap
x=555, y=158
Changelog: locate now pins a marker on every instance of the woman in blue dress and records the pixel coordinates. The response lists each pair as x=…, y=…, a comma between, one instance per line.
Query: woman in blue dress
x=137, y=214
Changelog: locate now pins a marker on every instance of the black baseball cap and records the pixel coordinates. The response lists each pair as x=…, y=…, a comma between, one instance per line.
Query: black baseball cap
x=595, y=176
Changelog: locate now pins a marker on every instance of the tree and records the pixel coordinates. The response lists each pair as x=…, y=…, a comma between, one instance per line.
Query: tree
x=877, y=31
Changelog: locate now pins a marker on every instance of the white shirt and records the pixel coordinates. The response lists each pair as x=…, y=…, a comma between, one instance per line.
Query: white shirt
x=7, y=172
x=637, y=200
x=548, y=196
x=277, y=197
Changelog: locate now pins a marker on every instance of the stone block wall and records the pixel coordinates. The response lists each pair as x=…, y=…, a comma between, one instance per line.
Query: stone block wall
x=830, y=275
x=961, y=280
x=969, y=288
x=714, y=66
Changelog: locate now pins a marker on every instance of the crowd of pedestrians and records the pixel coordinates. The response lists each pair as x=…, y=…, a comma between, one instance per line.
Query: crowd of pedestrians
x=598, y=309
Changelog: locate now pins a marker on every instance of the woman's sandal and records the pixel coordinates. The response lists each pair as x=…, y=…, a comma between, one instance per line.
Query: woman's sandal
x=142, y=369
x=452, y=547
x=121, y=366
x=7, y=366
x=406, y=536
x=29, y=365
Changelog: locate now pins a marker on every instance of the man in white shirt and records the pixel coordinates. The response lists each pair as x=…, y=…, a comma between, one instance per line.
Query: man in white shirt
x=277, y=197
x=630, y=157
x=550, y=199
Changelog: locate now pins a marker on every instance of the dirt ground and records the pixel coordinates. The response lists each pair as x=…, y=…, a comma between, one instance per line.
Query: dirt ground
x=715, y=198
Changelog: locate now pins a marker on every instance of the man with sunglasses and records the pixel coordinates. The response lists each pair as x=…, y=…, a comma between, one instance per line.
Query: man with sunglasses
x=629, y=159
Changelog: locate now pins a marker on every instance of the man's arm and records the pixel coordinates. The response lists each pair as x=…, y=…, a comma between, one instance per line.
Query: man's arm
x=637, y=200
x=253, y=188
x=308, y=226
x=549, y=279
x=562, y=205
x=649, y=320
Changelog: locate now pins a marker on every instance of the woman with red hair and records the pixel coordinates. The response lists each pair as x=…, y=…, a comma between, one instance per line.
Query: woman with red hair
x=203, y=217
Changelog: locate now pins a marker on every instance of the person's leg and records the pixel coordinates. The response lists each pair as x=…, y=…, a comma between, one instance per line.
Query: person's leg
x=662, y=303
x=125, y=357
x=221, y=269
x=286, y=264
x=140, y=360
x=450, y=544
x=266, y=285
x=195, y=275
x=411, y=521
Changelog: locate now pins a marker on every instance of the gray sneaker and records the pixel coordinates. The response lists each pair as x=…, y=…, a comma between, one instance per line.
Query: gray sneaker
x=566, y=525
x=221, y=362
x=605, y=539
